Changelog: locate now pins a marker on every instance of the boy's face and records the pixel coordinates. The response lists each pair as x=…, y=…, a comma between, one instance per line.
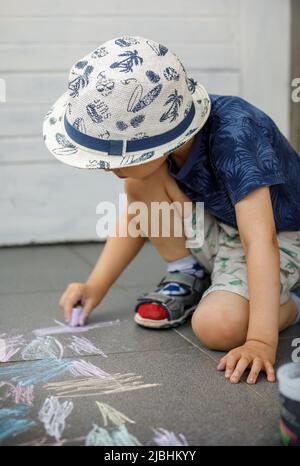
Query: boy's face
x=139, y=171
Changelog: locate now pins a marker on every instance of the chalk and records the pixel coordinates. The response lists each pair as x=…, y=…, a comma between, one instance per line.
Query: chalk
x=75, y=317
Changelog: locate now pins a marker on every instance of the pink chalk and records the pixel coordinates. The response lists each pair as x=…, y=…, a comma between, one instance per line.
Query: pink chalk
x=75, y=317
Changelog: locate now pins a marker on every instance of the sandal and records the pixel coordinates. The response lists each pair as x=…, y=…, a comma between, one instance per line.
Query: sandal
x=177, y=308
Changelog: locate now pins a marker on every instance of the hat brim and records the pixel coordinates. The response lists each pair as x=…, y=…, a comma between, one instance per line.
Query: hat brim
x=69, y=152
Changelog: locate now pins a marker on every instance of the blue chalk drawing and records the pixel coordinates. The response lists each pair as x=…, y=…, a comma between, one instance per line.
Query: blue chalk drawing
x=137, y=101
x=152, y=76
x=119, y=436
x=33, y=372
x=10, y=425
x=174, y=100
x=171, y=74
x=131, y=59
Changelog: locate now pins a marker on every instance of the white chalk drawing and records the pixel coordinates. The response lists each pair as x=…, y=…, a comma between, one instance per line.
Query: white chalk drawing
x=43, y=348
x=82, y=345
x=53, y=415
x=95, y=382
x=113, y=415
x=60, y=329
x=44, y=442
x=87, y=369
x=18, y=393
x=9, y=346
x=164, y=437
x=119, y=436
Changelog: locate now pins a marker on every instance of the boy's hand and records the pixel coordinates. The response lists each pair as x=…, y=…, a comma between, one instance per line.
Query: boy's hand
x=255, y=355
x=86, y=294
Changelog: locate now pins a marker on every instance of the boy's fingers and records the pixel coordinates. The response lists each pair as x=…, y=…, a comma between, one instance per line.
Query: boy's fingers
x=255, y=370
x=222, y=364
x=239, y=370
x=230, y=365
x=270, y=372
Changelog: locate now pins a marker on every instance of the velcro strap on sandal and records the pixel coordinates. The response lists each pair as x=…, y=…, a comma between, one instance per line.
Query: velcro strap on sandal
x=186, y=279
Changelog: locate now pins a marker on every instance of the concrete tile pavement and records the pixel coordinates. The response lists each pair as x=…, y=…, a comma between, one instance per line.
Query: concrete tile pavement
x=189, y=396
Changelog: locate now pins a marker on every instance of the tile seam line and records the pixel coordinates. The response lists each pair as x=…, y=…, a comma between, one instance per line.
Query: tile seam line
x=215, y=360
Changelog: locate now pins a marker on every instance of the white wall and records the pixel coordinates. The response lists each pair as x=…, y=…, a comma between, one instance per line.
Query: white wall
x=232, y=46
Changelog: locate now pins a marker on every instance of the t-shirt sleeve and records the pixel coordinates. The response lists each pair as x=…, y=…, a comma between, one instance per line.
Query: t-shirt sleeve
x=244, y=159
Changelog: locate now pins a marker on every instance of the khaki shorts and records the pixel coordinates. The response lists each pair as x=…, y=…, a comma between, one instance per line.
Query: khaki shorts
x=223, y=256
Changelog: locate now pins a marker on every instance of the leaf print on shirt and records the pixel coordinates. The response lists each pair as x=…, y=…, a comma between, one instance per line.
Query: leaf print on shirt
x=137, y=102
x=66, y=147
x=131, y=59
x=174, y=100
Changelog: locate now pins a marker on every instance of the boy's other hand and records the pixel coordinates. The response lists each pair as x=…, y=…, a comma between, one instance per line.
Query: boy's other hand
x=75, y=292
x=255, y=355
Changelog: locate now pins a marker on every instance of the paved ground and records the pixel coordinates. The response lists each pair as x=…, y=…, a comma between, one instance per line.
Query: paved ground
x=157, y=379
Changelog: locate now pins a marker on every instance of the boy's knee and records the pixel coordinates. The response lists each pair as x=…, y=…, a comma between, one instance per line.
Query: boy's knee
x=216, y=327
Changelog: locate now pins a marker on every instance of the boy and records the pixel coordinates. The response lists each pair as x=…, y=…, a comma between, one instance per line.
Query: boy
x=131, y=109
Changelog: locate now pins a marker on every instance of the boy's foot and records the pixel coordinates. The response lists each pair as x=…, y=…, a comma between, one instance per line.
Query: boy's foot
x=173, y=302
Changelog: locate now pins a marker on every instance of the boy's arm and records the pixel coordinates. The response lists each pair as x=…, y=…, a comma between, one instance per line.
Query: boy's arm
x=257, y=230
x=117, y=253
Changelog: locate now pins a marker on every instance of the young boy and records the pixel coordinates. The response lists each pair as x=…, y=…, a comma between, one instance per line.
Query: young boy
x=131, y=109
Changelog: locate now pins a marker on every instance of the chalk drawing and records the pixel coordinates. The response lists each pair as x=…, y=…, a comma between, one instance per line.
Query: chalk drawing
x=60, y=329
x=44, y=442
x=94, y=386
x=113, y=415
x=119, y=436
x=9, y=346
x=17, y=393
x=33, y=372
x=13, y=421
x=43, y=348
x=82, y=345
x=87, y=369
x=164, y=437
x=53, y=415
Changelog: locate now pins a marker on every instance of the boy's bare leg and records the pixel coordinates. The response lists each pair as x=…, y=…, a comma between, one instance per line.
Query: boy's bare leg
x=221, y=319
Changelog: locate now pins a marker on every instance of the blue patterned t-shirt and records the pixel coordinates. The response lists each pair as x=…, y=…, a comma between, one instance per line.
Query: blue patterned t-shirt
x=238, y=150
